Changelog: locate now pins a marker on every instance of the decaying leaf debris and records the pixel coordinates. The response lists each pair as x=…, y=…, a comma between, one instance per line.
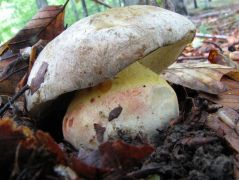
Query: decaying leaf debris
x=202, y=143
x=47, y=24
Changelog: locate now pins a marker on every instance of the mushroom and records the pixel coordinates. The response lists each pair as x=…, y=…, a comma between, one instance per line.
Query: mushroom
x=133, y=105
x=94, y=50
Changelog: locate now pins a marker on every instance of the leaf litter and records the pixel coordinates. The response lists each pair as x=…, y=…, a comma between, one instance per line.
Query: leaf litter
x=201, y=144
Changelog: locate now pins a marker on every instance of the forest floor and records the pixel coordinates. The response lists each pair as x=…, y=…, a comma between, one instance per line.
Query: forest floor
x=199, y=145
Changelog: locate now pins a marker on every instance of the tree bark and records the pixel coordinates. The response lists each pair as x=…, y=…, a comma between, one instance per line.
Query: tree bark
x=41, y=3
x=85, y=11
x=131, y=2
x=141, y=2
x=195, y=4
x=120, y=3
x=73, y=7
x=180, y=7
x=168, y=4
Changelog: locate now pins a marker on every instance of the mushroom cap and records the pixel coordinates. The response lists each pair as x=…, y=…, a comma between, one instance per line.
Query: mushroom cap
x=96, y=48
x=132, y=105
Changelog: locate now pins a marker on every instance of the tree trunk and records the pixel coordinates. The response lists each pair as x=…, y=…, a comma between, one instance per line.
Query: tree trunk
x=85, y=11
x=141, y=2
x=180, y=7
x=207, y=4
x=41, y=3
x=120, y=3
x=73, y=7
x=168, y=4
x=195, y=4
x=132, y=2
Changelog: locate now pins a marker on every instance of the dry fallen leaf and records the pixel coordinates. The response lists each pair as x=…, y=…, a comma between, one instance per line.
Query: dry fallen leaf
x=229, y=98
x=46, y=24
x=224, y=131
x=24, y=153
x=11, y=71
x=234, y=55
x=199, y=76
x=216, y=57
x=111, y=156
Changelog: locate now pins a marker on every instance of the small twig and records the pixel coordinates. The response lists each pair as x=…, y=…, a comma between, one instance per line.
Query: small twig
x=64, y=6
x=102, y=3
x=16, y=96
x=210, y=14
x=192, y=141
x=191, y=58
x=16, y=71
x=143, y=173
x=222, y=37
x=215, y=44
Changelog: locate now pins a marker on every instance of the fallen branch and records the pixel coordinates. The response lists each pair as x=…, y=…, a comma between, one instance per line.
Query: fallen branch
x=192, y=141
x=16, y=96
x=102, y=3
x=222, y=37
x=212, y=14
x=182, y=58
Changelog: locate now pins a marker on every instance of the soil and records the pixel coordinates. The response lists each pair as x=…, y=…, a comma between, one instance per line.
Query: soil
x=189, y=151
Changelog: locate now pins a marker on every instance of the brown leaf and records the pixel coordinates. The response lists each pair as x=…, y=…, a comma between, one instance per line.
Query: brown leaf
x=119, y=154
x=199, y=76
x=86, y=170
x=12, y=67
x=224, y=131
x=234, y=75
x=46, y=24
x=132, y=151
x=229, y=98
x=8, y=55
x=11, y=71
x=234, y=55
x=21, y=150
x=215, y=57
x=111, y=156
x=3, y=48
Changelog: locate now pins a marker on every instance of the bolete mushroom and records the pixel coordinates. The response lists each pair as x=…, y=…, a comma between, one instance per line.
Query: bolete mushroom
x=95, y=49
x=132, y=105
